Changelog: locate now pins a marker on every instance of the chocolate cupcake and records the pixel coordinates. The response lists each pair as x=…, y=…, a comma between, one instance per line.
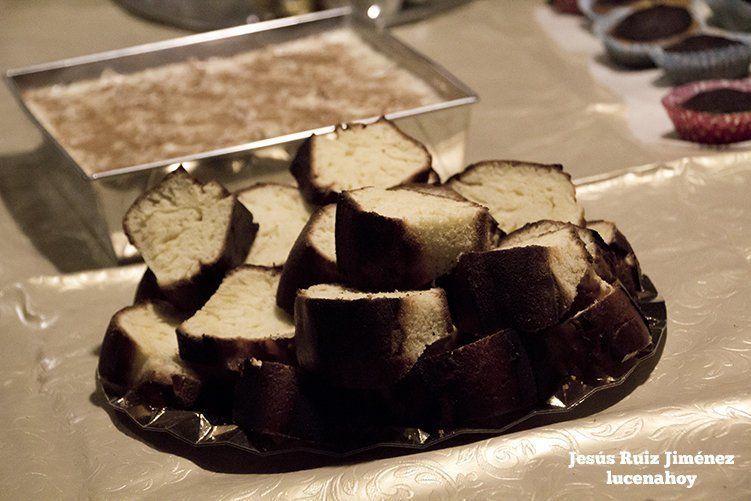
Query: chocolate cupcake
x=566, y=6
x=733, y=15
x=595, y=9
x=711, y=111
x=629, y=35
x=703, y=57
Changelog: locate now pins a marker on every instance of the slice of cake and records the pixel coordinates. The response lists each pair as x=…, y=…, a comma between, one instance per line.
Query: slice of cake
x=517, y=193
x=286, y=403
x=189, y=235
x=527, y=285
x=361, y=340
x=271, y=399
x=240, y=321
x=312, y=259
x=139, y=357
x=280, y=213
x=602, y=257
x=600, y=341
x=627, y=267
x=401, y=239
x=355, y=156
x=476, y=385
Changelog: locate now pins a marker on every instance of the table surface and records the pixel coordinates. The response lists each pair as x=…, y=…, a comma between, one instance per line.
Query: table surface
x=539, y=101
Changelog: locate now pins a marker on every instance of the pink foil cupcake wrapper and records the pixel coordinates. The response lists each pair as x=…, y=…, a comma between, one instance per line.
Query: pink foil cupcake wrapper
x=704, y=127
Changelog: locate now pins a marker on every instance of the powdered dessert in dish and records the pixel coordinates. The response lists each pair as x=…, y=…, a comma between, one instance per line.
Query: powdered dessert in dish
x=121, y=120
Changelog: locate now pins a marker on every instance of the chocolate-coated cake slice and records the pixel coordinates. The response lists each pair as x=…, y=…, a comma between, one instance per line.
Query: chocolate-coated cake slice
x=367, y=340
x=528, y=285
x=312, y=259
x=189, y=234
x=600, y=341
x=627, y=267
x=475, y=385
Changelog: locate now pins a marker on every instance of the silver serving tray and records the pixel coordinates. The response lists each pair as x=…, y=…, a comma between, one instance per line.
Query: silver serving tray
x=575, y=399
x=101, y=198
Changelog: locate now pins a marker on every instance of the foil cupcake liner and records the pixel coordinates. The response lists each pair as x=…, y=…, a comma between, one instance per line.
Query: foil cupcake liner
x=733, y=15
x=704, y=127
x=634, y=54
x=587, y=7
x=723, y=63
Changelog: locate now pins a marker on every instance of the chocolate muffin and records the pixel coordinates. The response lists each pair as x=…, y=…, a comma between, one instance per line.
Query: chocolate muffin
x=652, y=24
x=632, y=34
x=720, y=101
x=701, y=43
x=711, y=111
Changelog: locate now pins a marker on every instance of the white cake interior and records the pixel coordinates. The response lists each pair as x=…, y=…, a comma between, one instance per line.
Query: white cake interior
x=244, y=306
x=568, y=258
x=153, y=333
x=322, y=232
x=606, y=229
x=445, y=227
x=339, y=292
x=543, y=227
x=179, y=226
x=281, y=213
x=425, y=316
x=374, y=155
x=517, y=194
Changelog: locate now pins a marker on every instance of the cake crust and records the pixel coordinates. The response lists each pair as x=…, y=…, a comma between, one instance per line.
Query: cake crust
x=626, y=265
x=123, y=367
x=377, y=252
x=600, y=341
x=389, y=336
x=307, y=264
x=475, y=385
x=516, y=287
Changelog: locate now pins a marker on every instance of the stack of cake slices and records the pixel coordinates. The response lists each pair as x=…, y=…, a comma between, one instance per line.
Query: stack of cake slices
x=371, y=297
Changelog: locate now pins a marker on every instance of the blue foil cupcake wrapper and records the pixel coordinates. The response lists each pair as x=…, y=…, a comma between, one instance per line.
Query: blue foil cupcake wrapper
x=726, y=62
x=631, y=54
x=733, y=15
